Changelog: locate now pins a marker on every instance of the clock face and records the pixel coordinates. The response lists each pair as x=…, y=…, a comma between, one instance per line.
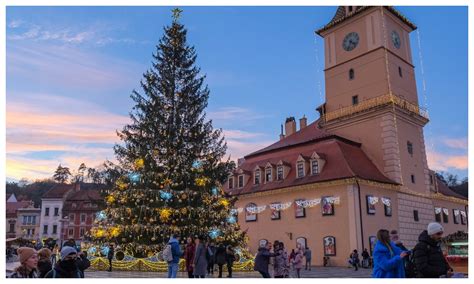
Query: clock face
x=396, y=39
x=350, y=41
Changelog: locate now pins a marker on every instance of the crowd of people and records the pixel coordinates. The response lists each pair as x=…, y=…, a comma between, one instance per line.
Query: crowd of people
x=50, y=262
x=201, y=257
x=278, y=264
x=391, y=259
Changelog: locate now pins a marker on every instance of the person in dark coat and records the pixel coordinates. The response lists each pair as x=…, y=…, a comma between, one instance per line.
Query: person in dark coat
x=83, y=262
x=355, y=260
x=44, y=262
x=28, y=263
x=428, y=256
x=211, y=258
x=388, y=258
x=230, y=258
x=110, y=255
x=200, y=262
x=67, y=266
x=189, y=256
x=262, y=260
x=220, y=258
x=365, y=258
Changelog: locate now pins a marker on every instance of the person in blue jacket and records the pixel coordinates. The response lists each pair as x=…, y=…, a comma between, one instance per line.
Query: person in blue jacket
x=388, y=258
x=176, y=252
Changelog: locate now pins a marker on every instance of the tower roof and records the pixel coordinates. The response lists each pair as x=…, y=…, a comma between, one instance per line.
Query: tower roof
x=342, y=15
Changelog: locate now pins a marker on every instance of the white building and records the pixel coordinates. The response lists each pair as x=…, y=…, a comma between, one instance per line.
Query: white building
x=51, y=210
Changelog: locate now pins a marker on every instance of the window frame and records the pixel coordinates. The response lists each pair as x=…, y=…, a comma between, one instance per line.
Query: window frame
x=298, y=169
x=256, y=177
x=240, y=179
x=282, y=172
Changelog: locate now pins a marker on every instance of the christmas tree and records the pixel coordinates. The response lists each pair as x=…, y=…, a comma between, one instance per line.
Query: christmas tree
x=173, y=160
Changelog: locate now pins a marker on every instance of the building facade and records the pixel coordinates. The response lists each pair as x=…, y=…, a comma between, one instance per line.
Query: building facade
x=12, y=224
x=362, y=165
x=52, y=204
x=28, y=223
x=80, y=208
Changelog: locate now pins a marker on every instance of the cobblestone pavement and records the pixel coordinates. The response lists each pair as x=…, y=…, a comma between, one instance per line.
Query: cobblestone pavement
x=315, y=272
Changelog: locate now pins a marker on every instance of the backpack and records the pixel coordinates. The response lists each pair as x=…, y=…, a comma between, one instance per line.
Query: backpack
x=409, y=263
x=410, y=267
x=167, y=253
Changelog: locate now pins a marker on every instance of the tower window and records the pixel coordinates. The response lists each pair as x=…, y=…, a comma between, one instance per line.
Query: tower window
x=350, y=9
x=412, y=178
x=351, y=74
x=355, y=100
x=400, y=71
x=410, y=148
x=415, y=215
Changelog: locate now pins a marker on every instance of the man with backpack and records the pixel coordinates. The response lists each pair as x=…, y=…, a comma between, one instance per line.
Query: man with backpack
x=428, y=256
x=171, y=255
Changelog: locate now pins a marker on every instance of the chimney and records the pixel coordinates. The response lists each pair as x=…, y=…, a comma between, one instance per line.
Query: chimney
x=77, y=186
x=290, y=126
x=303, y=122
x=240, y=161
x=281, y=133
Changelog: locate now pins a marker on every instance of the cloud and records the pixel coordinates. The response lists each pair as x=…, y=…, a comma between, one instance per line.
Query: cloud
x=233, y=114
x=456, y=143
x=238, y=149
x=443, y=161
x=69, y=67
x=76, y=132
x=94, y=34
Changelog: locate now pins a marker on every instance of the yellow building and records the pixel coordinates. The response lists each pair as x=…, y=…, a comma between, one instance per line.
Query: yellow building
x=361, y=167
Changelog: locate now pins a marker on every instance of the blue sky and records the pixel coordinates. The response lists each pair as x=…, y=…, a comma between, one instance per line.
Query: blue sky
x=70, y=71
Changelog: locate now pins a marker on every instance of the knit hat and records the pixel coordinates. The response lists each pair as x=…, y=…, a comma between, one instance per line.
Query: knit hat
x=24, y=253
x=434, y=228
x=44, y=253
x=67, y=251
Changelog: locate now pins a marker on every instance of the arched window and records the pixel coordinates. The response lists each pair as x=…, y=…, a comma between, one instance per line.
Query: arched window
x=250, y=214
x=400, y=71
x=351, y=74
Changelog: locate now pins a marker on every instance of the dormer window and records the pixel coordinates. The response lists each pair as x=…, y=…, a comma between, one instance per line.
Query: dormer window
x=268, y=174
x=241, y=181
x=314, y=167
x=257, y=177
x=231, y=183
x=280, y=173
x=300, y=169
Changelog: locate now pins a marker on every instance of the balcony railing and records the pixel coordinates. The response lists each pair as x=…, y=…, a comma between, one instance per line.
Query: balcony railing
x=377, y=102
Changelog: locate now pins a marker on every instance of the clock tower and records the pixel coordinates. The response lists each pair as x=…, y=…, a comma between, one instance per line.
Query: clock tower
x=371, y=92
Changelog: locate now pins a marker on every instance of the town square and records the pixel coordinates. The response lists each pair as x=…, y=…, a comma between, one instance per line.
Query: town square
x=236, y=142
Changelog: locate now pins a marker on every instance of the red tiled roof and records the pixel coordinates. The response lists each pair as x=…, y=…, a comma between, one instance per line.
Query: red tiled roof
x=344, y=159
x=305, y=135
x=445, y=190
x=11, y=207
x=341, y=15
x=85, y=195
x=81, y=198
x=58, y=191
